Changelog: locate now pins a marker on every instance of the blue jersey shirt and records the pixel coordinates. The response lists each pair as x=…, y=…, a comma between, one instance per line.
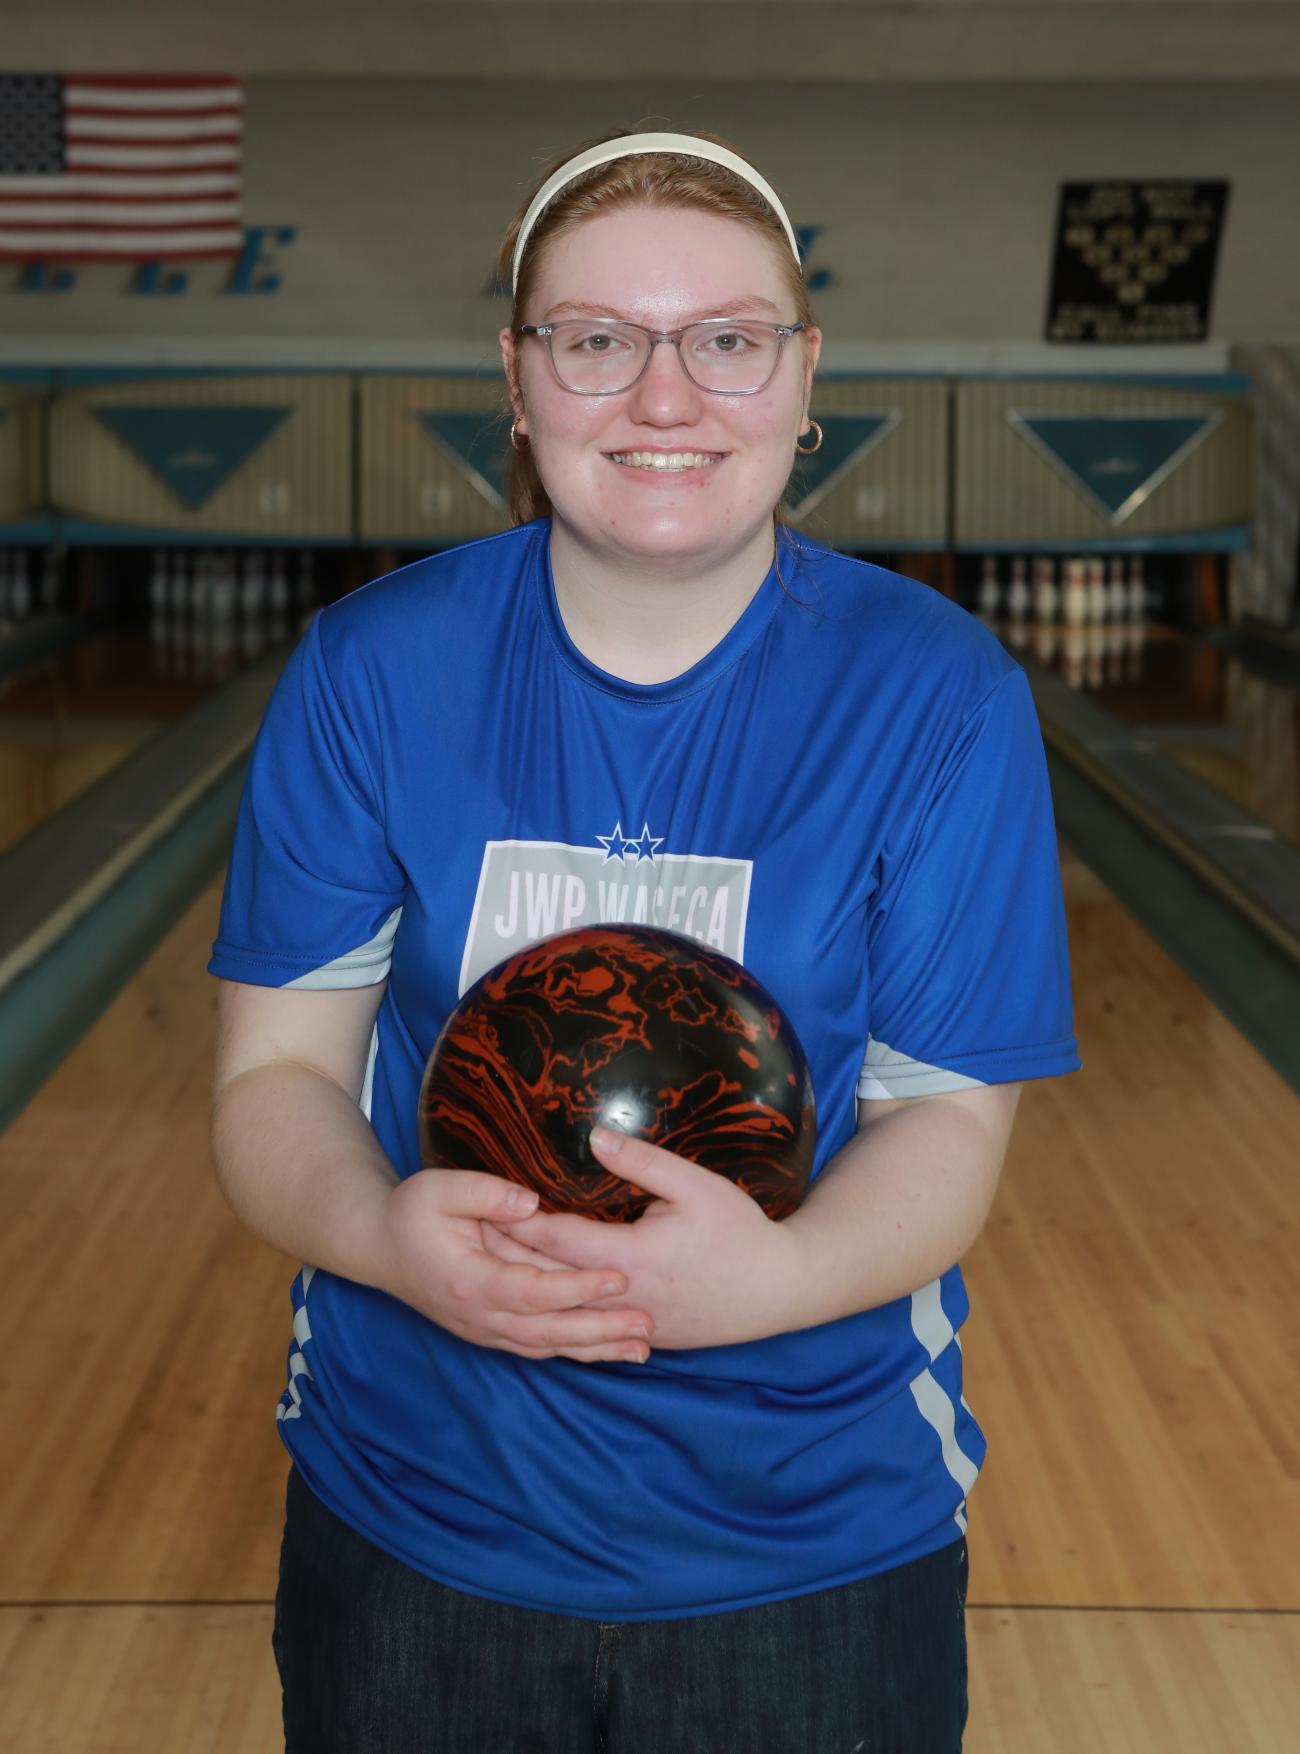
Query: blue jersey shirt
x=849, y=795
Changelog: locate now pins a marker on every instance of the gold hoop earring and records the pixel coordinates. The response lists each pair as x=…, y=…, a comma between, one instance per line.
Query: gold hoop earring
x=807, y=450
x=514, y=446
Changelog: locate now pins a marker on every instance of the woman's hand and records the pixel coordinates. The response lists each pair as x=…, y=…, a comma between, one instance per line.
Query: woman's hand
x=439, y=1263
x=704, y=1259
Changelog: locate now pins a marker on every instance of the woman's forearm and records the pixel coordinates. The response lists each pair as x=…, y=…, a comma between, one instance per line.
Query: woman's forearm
x=299, y=1164
x=898, y=1206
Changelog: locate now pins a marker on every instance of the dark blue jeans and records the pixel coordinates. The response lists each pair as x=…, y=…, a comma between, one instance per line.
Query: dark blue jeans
x=375, y=1658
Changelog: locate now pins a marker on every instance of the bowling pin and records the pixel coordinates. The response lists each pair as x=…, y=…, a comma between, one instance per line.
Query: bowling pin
x=279, y=596
x=50, y=581
x=200, y=598
x=1137, y=634
x=20, y=589
x=252, y=596
x=225, y=592
x=1095, y=653
x=1018, y=594
x=1046, y=639
x=1116, y=595
x=1045, y=598
x=1137, y=591
x=160, y=633
x=180, y=645
x=4, y=586
x=1074, y=599
x=1075, y=641
x=1096, y=588
x=989, y=597
x=159, y=590
x=304, y=595
x=990, y=592
x=279, y=599
x=180, y=584
x=201, y=620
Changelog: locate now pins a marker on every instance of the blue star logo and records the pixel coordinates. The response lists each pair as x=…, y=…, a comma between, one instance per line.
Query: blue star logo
x=616, y=845
x=647, y=845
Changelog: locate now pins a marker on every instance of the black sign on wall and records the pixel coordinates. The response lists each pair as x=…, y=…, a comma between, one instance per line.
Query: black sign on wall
x=1135, y=261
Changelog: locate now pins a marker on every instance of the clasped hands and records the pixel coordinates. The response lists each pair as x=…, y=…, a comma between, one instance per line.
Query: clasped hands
x=704, y=1260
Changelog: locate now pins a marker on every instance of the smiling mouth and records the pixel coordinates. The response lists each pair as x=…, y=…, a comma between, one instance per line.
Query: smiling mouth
x=666, y=462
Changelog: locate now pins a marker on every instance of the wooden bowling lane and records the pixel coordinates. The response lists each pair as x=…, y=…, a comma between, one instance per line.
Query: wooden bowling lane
x=1233, y=724
x=1132, y=1356
x=70, y=717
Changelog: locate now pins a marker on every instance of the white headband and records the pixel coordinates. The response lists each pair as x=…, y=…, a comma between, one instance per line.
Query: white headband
x=638, y=143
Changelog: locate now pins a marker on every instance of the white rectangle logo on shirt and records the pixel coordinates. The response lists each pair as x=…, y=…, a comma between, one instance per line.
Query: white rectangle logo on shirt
x=530, y=890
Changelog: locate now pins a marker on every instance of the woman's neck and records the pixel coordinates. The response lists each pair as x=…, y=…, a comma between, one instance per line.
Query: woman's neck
x=650, y=621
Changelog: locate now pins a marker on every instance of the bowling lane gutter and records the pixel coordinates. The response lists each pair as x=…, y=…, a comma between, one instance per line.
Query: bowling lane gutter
x=1243, y=860
x=88, y=893
x=1264, y=648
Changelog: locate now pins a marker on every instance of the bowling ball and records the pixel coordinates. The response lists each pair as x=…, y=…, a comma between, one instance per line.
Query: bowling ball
x=633, y=1028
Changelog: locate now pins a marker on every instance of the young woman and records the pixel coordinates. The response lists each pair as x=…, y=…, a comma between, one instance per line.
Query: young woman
x=695, y=1485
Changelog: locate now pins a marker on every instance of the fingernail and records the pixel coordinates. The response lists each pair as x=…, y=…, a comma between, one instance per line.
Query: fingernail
x=608, y=1140
x=521, y=1199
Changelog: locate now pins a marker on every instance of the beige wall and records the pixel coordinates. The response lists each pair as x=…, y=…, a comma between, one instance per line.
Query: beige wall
x=938, y=202
x=833, y=40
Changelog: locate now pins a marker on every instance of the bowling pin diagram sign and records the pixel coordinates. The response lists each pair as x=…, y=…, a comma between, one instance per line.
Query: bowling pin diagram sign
x=632, y=1028
x=1135, y=261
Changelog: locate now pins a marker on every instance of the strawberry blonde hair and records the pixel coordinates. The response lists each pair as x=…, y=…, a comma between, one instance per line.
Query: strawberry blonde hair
x=653, y=179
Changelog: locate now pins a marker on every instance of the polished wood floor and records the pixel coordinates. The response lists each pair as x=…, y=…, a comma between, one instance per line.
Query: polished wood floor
x=1133, y=1356
x=70, y=717
x=1236, y=729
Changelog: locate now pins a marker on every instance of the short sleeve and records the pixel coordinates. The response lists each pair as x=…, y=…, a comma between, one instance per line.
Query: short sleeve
x=312, y=894
x=967, y=951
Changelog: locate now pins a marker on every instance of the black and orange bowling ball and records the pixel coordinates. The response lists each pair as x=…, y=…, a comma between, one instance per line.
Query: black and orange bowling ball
x=628, y=1027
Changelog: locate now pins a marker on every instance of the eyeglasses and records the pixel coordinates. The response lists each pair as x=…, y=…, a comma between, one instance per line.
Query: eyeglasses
x=597, y=356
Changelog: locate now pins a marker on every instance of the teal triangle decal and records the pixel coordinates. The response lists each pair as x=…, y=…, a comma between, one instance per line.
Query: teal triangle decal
x=192, y=450
x=477, y=443
x=846, y=439
x=1115, y=460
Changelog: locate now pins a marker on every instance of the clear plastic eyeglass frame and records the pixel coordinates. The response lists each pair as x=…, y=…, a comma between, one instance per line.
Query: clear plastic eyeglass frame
x=711, y=325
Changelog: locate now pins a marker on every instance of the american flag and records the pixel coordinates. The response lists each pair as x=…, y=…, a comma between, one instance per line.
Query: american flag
x=111, y=169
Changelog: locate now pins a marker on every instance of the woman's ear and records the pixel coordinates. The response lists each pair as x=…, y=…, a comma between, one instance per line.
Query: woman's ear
x=812, y=353
x=510, y=365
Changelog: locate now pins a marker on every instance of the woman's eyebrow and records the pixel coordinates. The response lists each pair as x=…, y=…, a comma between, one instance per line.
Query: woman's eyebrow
x=731, y=307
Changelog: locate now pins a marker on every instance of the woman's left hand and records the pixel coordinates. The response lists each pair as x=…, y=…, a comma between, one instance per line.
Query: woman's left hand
x=704, y=1259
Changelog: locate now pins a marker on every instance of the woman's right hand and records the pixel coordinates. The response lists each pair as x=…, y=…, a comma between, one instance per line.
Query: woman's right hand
x=438, y=1263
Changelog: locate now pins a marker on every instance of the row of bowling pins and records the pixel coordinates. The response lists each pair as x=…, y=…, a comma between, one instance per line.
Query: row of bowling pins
x=1089, y=590
x=207, y=616
x=210, y=651
x=1098, y=653
x=20, y=593
x=207, y=583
